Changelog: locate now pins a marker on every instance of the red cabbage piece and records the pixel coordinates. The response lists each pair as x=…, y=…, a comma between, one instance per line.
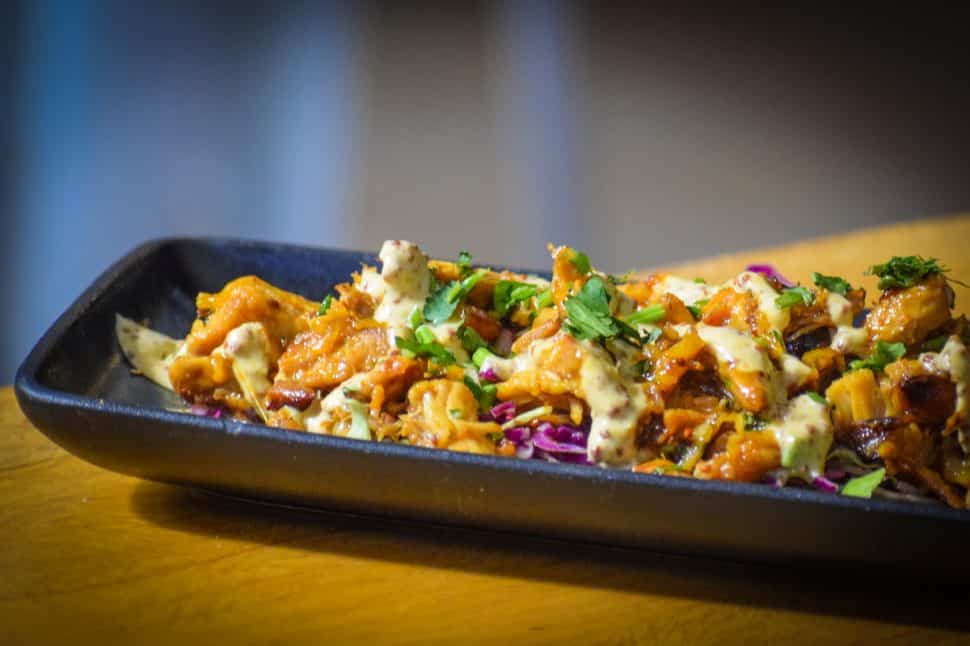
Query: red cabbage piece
x=503, y=412
x=769, y=271
x=205, y=411
x=558, y=440
x=488, y=374
x=824, y=484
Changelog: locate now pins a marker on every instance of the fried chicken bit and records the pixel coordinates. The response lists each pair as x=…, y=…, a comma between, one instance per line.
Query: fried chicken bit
x=444, y=414
x=202, y=374
x=910, y=315
x=336, y=346
x=748, y=456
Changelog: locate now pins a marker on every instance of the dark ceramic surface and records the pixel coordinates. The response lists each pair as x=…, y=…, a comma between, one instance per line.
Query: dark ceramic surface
x=76, y=388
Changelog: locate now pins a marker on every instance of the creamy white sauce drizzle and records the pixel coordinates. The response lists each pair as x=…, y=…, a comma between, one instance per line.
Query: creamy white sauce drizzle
x=406, y=279
x=615, y=407
x=247, y=347
x=954, y=362
x=839, y=308
x=688, y=291
x=794, y=371
x=735, y=350
x=756, y=285
x=847, y=339
x=149, y=352
x=850, y=340
x=319, y=416
x=804, y=435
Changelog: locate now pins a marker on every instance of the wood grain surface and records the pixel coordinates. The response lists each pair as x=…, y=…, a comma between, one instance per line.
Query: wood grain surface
x=91, y=557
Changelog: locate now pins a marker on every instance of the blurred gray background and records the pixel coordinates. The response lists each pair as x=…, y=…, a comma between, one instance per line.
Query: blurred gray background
x=644, y=135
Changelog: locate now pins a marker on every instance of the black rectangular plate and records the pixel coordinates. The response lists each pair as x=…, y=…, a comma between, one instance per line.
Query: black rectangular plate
x=75, y=387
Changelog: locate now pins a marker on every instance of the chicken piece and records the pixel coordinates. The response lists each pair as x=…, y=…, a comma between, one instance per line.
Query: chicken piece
x=748, y=456
x=737, y=309
x=336, y=346
x=855, y=397
x=547, y=323
x=247, y=300
x=674, y=362
x=928, y=398
x=546, y=368
x=204, y=371
x=566, y=277
x=751, y=377
x=910, y=315
x=828, y=365
x=444, y=414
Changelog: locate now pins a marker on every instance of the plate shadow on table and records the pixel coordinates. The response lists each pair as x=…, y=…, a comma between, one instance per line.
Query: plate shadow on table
x=879, y=596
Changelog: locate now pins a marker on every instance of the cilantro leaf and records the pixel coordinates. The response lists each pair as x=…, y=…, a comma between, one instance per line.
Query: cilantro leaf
x=442, y=303
x=581, y=262
x=325, y=305
x=649, y=314
x=883, y=355
x=544, y=299
x=464, y=263
x=793, y=296
x=863, y=486
x=589, y=312
x=433, y=350
x=485, y=394
x=752, y=422
x=832, y=283
x=470, y=339
x=904, y=271
x=509, y=292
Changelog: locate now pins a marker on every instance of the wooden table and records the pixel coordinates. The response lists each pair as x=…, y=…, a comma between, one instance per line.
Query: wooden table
x=88, y=556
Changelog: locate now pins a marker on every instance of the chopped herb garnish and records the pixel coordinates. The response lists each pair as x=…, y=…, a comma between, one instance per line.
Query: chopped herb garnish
x=817, y=398
x=794, y=296
x=883, y=355
x=496, y=437
x=832, y=283
x=443, y=301
x=622, y=278
x=455, y=413
x=544, y=299
x=416, y=317
x=589, y=312
x=649, y=314
x=424, y=334
x=509, y=292
x=863, y=486
x=470, y=339
x=485, y=394
x=325, y=305
x=700, y=281
x=432, y=350
x=697, y=308
x=480, y=355
x=753, y=422
x=652, y=335
x=581, y=262
x=904, y=271
x=464, y=263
